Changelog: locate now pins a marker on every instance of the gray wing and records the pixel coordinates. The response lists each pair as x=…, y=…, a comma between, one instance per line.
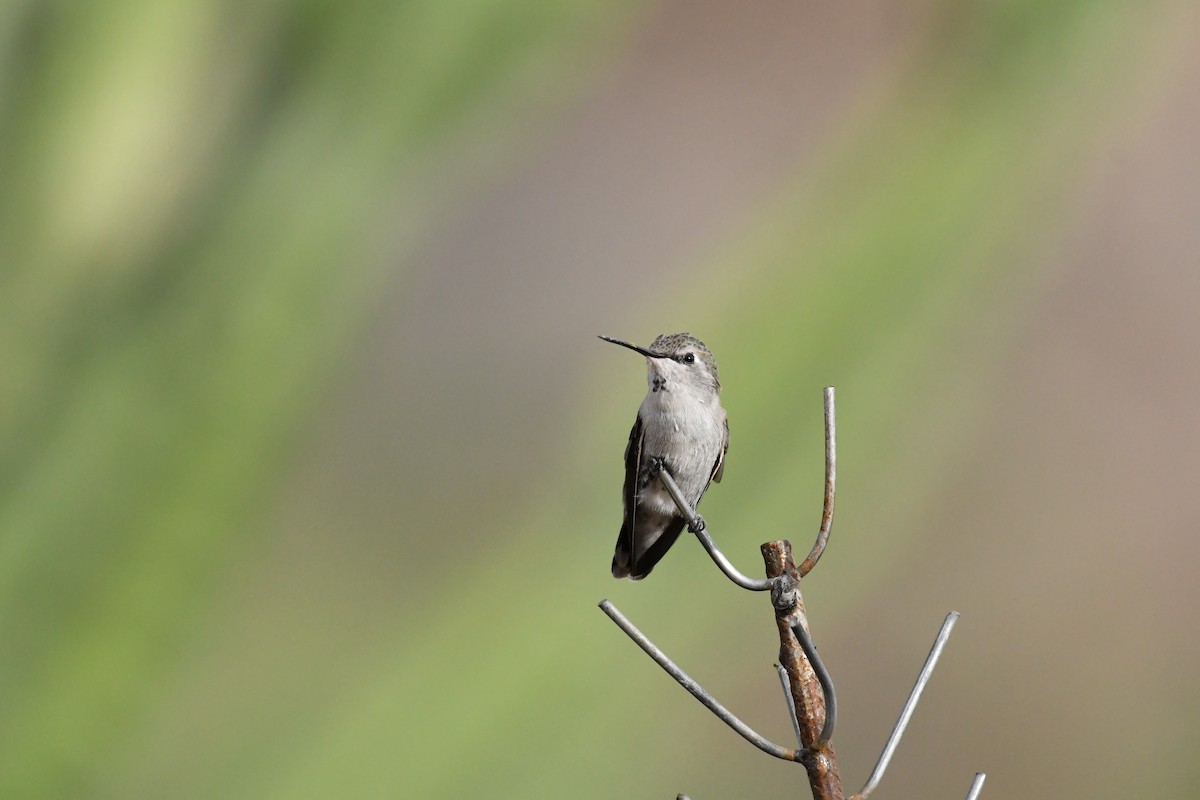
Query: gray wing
x=633, y=468
x=718, y=470
x=624, y=557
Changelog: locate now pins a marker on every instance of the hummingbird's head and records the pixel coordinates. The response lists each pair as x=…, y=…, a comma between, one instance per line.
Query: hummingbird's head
x=678, y=359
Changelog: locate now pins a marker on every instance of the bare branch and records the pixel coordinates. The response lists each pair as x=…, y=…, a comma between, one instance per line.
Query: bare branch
x=814, y=555
x=696, y=690
x=909, y=706
x=808, y=692
x=807, y=685
x=696, y=525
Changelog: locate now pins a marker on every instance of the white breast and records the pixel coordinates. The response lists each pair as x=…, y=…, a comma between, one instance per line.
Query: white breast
x=689, y=432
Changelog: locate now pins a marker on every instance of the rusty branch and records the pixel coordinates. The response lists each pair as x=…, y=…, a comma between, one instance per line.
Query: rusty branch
x=909, y=706
x=814, y=555
x=696, y=690
x=976, y=786
x=696, y=525
x=808, y=694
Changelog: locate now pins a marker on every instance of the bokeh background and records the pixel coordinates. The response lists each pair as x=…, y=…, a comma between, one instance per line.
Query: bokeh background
x=310, y=459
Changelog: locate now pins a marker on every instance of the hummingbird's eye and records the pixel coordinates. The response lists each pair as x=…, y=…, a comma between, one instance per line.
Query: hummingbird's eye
x=689, y=359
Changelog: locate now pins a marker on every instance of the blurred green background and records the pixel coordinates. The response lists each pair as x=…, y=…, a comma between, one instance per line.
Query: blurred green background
x=309, y=457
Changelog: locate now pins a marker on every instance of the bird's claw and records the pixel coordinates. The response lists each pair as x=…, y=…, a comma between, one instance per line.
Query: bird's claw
x=656, y=465
x=697, y=524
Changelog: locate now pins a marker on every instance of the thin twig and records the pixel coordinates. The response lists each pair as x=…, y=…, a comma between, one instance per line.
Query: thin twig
x=976, y=786
x=696, y=690
x=810, y=650
x=814, y=555
x=696, y=526
x=791, y=701
x=909, y=706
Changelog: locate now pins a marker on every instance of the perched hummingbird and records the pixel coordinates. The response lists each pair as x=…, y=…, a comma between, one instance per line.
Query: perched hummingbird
x=680, y=426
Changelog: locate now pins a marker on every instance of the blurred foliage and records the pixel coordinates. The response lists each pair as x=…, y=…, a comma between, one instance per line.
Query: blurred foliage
x=199, y=202
x=195, y=201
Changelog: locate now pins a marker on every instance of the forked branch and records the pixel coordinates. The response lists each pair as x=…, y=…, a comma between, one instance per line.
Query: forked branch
x=697, y=525
x=811, y=700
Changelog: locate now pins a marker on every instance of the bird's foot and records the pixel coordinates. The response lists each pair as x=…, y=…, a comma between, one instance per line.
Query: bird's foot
x=697, y=524
x=656, y=465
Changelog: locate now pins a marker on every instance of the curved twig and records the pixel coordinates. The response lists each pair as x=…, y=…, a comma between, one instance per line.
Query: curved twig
x=696, y=526
x=814, y=555
x=810, y=650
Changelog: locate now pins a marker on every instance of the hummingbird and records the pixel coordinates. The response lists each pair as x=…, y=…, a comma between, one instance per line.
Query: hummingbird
x=680, y=427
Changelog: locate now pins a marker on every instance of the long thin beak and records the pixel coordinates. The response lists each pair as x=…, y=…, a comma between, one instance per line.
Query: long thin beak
x=634, y=347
